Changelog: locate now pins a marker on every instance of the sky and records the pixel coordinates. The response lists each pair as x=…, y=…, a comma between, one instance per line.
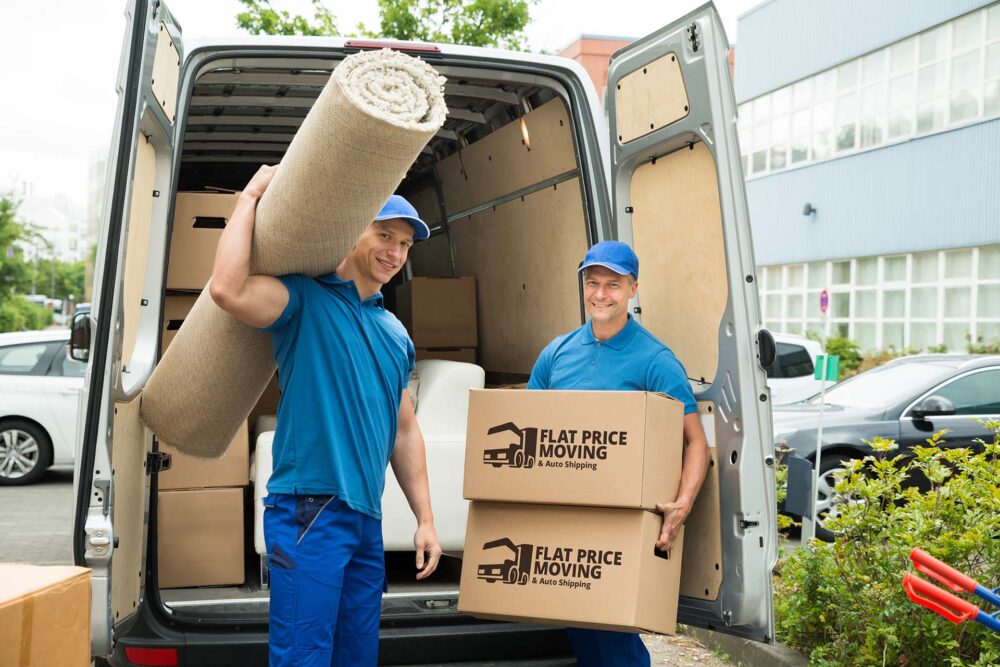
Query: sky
x=61, y=57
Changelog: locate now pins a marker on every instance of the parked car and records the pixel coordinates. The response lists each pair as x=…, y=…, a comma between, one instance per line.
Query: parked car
x=527, y=172
x=908, y=400
x=39, y=395
x=790, y=377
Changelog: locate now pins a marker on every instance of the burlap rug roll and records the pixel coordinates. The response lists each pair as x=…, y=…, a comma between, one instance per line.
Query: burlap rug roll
x=376, y=113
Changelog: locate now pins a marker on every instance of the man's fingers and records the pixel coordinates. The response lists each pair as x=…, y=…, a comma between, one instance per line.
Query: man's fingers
x=420, y=557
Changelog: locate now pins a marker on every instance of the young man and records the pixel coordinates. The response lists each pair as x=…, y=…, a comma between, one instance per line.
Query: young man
x=343, y=365
x=614, y=352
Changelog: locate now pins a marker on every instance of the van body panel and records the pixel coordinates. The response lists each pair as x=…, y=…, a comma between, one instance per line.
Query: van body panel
x=678, y=196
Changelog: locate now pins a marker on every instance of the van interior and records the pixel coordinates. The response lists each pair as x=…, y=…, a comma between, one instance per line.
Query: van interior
x=503, y=186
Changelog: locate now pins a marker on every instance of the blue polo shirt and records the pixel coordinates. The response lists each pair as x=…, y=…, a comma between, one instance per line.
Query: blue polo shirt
x=343, y=365
x=631, y=360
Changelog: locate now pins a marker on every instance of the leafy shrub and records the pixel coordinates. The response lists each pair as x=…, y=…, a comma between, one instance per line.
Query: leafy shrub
x=980, y=347
x=18, y=314
x=842, y=603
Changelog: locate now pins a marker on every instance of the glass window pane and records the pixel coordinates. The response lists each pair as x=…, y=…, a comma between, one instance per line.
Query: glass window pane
x=847, y=137
x=800, y=151
x=817, y=273
x=965, y=71
x=989, y=332
x=991, y=103
x=900, y=123
x=895, y=268
x=873, y=67
x=923, y=335
x=824, y=84
x=958, y=264
x=800, y=124
x=847, y=108
x=955, y=336
x=866, y=271
x=864, y=334
x=893, y=303
x=823, y=115
x=759, y=162
x=841, y=273
x=975, y=394
x=931, y=81
x=993, y=61
x=822, y=144
x=988, y=302
x=762, y=108
x=964, y=106
x=864, y=304
x=989, y=262
x=773, y=278
x=20, y=359
x=779, y=157
x=968, y=32
x=802, y=93
x=892, y=335
x=773, y=307
x=840, y=305
x=873, y=100
x=902, y=55
x=796, y=275
x=930, y=117
x=993, y=19
x=932, y=44
x=872, y=131
x=923, y=302
x=781, y=101
x=847, y=75
x=957, y=302
x=812, y=306
x=901, y=91
x=925, y=267
x=842, y=329
x=779, y=130
x=794, y=306
x=793, y=328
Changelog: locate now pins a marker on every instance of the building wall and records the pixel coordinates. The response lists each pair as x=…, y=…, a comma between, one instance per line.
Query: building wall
x=781, y=41
x=594, y=53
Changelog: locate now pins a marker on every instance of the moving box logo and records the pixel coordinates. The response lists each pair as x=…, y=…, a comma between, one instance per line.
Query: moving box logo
x=570, y=567
x=578, y=449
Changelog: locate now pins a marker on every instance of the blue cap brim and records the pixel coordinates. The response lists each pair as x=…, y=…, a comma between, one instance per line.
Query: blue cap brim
x=420, y=229
x=617, y=268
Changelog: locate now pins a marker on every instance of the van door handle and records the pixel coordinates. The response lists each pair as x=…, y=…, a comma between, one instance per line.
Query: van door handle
x=766, y=349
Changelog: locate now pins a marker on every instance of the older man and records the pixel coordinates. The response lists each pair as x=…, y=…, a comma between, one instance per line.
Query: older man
x=343, y=365
x=614, y=352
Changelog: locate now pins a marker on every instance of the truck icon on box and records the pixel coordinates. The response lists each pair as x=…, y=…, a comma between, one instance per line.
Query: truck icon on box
x=513, y=570
x=519, y=454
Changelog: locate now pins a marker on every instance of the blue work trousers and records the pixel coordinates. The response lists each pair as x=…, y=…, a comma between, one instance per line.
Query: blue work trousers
x=327, y=576
x=603, y=648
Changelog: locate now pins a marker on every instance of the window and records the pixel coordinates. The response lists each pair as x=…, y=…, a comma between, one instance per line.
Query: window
x=21, y=359
x=974, y=394
x=793, y=361
x=64, y=365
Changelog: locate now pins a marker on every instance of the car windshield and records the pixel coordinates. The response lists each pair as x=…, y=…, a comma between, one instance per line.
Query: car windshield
x=885, y=386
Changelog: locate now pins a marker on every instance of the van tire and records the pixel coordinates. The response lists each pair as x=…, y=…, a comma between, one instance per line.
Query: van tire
x=18, y=430
x=830, y=464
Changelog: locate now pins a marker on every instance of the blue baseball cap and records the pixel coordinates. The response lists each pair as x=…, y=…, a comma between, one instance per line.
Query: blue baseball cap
x=398, y=207
x=613, y=255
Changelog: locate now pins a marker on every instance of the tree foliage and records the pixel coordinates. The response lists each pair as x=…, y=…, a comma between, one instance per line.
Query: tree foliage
x=497, y=23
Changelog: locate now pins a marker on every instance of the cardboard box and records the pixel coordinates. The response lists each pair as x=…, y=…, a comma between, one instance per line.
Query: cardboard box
x=200, y=538
x=464, y=354
x=199, y=218
x=44, y=615
x=592, y=448
x=192, y=472
x=175, y=310
x=577, y=566
x=439, y=312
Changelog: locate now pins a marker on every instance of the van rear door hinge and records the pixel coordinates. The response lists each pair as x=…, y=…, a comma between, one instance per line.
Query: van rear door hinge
x=694, y=38
x=744, y=524
x=157, y=462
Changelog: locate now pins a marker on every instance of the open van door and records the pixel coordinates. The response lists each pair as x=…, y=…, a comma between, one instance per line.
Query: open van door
x=679, y=199
x=110, y=481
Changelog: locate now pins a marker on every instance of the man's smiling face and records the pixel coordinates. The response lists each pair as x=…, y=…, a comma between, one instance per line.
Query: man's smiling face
x=381, y=251
x=606, y=294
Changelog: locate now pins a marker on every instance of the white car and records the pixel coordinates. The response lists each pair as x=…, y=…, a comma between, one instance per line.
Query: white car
x=39, y=397
x=790, y=377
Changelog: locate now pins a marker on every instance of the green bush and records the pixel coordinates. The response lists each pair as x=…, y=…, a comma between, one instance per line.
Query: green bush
x=981, y=347
x=18, y=314
x=842, y=603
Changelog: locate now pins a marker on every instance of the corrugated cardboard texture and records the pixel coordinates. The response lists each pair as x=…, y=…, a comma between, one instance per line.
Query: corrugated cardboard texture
x=199, y=218
x=588, y=448
x=464, y=354
x=439, y=312
x=44, y=616
x=200, y=538
x=175, y=311
x=191, y=472
x=576, y=566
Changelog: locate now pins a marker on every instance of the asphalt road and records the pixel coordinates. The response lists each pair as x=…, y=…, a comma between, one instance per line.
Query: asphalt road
x=36, y=520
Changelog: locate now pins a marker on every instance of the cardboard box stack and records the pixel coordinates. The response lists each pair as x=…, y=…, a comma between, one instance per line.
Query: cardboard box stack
x=440, y=315
x=562, y=527
x=200, y=510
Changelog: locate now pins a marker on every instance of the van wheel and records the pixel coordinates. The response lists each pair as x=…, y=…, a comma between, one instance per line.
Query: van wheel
x=25, y=452
x=829, y=501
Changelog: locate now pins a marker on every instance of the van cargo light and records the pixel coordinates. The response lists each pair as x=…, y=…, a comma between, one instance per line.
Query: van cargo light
x=524, y=134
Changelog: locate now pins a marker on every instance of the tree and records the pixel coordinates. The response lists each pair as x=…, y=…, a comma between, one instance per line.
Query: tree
x=12, y=266
x=498, y=23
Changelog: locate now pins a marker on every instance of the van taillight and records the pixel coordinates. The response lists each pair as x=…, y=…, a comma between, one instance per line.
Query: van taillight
x=151, y=657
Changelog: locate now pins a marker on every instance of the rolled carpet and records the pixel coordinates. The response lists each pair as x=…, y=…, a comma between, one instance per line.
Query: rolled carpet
x=368, y=125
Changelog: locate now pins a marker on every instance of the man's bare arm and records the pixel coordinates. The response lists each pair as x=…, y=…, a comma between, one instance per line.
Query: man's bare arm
x=409, y=464
x=692, y=476
x=254, y=300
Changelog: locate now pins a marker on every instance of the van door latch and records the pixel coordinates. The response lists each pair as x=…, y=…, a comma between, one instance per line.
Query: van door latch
x=694, y=38
x=744, y=524
x=157, y=462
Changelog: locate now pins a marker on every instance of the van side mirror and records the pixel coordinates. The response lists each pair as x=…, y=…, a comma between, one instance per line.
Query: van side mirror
x=79, y=337
x=933, y=406
x=767, y=350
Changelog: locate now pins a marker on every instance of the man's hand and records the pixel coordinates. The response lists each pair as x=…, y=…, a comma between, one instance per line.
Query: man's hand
x=425, y=540
x=674, y=515
x=258, y=184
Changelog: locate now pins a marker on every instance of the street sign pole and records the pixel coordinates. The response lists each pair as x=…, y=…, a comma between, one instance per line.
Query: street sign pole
x=809, y=530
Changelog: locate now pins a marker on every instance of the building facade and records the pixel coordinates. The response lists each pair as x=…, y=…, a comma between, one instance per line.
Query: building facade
x=870, y=134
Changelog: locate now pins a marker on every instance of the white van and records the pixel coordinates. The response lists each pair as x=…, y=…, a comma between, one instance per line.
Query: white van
x=528, y=171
